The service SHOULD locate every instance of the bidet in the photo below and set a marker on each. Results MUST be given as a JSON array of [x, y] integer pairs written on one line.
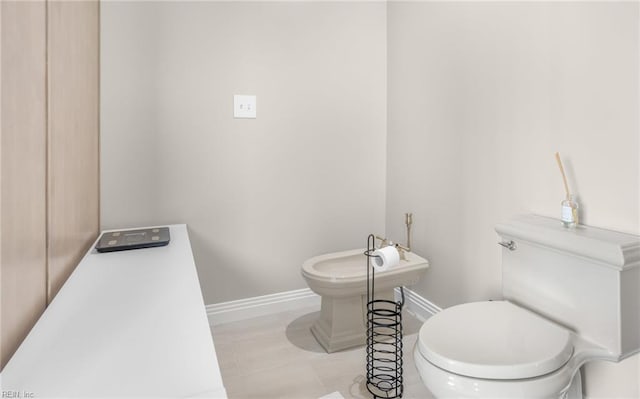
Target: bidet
[[340, 279]]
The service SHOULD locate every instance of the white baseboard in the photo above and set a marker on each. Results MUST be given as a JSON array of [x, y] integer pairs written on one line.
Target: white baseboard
[[242, 309], [417, 305]]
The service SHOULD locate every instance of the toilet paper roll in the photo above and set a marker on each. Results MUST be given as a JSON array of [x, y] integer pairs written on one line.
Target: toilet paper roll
[[385, 258]]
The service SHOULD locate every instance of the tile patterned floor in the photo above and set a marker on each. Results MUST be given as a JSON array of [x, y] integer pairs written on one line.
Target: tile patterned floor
[[276, 356]]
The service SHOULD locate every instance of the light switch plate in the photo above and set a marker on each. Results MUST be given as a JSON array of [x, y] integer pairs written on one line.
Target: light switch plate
[[244, 106]]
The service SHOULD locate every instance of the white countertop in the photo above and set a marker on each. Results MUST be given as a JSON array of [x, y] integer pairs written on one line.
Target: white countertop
[[127, 324]]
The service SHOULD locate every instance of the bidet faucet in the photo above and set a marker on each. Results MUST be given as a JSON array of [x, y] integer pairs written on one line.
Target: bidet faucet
[[402, 250]]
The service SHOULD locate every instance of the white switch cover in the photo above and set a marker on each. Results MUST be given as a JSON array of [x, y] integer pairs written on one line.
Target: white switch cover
[[244, 106]]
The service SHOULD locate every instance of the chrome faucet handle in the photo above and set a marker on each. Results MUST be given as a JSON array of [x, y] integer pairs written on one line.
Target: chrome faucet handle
[[402, 250], [510, 245], [384, 242], [408, 221]]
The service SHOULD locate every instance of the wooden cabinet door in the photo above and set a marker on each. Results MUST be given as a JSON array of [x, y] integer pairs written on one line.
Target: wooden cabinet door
[[23, 143], [49, 154], [73, 103]]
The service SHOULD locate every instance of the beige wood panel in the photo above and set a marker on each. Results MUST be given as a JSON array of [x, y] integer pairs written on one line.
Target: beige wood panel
[[73, 178], [23, 171]]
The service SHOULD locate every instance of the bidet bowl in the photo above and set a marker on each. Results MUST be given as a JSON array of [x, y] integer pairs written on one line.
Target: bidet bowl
[[341, 274]]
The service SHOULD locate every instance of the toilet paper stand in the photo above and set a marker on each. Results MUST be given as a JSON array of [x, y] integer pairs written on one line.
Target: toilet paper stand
[[384, 338]]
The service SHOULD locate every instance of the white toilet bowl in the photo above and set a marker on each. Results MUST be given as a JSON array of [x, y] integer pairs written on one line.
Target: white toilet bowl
[[500, 350]]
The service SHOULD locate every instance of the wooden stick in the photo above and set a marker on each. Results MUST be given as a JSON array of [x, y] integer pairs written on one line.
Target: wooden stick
[[564, 178]]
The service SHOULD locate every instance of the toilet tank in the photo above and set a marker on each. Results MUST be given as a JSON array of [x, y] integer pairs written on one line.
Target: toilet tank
[[586, 279]]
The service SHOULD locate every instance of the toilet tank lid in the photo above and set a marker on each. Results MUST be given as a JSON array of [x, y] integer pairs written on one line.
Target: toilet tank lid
[[606, 247], [494, 340]]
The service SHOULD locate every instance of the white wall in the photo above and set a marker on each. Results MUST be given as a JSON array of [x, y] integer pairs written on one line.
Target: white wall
[[480, 96], [128, 115], [260, 196]]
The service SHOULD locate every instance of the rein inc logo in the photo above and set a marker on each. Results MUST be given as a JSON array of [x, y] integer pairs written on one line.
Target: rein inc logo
[[17, 394]]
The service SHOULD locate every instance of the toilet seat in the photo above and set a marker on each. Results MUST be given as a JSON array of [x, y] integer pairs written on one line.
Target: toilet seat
[[494, 340]]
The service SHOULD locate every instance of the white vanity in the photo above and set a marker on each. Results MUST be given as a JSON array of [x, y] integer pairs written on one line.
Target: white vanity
[[125, 324]]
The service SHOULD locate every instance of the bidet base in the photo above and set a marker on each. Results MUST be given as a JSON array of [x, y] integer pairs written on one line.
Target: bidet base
[[342, 322]]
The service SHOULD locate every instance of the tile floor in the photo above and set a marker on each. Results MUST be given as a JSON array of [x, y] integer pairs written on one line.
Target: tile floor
[[276, 357]]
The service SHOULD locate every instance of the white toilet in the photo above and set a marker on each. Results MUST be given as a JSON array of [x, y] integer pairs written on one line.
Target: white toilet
[[570, 296]]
